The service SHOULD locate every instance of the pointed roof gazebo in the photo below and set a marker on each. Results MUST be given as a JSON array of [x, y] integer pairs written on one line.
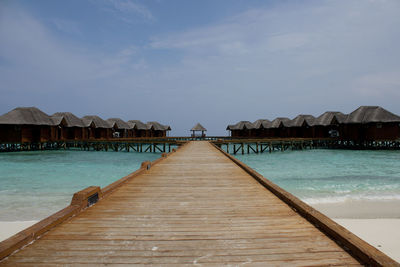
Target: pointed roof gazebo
[[198, 128]]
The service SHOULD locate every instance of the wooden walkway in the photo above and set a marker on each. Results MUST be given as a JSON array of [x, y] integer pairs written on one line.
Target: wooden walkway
[[194, 207]]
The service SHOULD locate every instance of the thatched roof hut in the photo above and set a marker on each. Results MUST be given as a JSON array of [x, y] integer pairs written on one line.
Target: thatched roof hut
[[370, 114], [71, 126], [118, 123], [27, 124], [26, 116], [302, 120], [241, 129], [198, 127], [70, 119], [157, 129], [241, 125], [371, 123], [262, 123], [96, 121], [330, 117], [101, 128]]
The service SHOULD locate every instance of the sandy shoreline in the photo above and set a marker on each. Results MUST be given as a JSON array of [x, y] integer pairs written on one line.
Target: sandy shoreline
[[383, 234], [8, 229], [375, 221]]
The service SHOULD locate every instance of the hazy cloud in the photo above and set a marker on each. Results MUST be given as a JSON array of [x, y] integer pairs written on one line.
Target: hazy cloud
[[261, 63]]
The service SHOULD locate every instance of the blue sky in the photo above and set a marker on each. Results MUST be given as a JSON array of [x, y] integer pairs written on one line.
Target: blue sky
[[213, 62]]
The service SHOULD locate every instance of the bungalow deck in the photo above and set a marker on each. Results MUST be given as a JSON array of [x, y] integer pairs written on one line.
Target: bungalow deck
[[230, 144], [197, 205]]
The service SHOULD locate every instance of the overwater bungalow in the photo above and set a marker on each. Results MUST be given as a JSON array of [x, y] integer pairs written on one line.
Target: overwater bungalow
[[97, 128], [27, 125], [121, 129], [156, 129], [279, 127], [328, 124], [371, 123], [301, 127], [262, 128], [70, 127], [198, 128], [241, 129], [138, 128]]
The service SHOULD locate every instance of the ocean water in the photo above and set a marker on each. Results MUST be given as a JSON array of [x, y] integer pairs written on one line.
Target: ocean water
[[331, 176], [33, 185]]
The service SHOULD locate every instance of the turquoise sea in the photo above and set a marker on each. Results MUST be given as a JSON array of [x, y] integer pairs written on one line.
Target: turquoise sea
[[33, 185], [331, 176]]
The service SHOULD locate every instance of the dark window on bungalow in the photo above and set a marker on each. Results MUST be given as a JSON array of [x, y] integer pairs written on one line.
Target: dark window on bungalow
[[379, 125]]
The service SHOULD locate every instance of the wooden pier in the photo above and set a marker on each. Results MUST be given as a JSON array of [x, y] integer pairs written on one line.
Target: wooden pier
[[261, 145], [197, 205], [162, 145]]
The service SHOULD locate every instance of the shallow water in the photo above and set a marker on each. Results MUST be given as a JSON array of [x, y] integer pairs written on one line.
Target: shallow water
[[34, 185], [331, 176]]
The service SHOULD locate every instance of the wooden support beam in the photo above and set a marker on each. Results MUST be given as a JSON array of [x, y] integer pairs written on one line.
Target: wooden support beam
[[251, 148], [148, 148]]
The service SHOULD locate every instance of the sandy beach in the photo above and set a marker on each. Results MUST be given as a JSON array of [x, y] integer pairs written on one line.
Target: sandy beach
[[383, 234], [8, 229], [376, 222]]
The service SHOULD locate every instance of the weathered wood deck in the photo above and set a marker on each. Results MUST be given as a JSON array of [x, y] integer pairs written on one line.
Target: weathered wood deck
[[194, 207]]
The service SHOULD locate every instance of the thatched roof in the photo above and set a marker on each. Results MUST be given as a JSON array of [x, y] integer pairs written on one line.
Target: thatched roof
[[241, 125], [118, 123], [198, 127], [329, 118], [70, 119], [58, 121], [367, 114], [302, 120], [26, 116], [138, 125], [96, 120], [281, 121], [156, 126], [262, 123]]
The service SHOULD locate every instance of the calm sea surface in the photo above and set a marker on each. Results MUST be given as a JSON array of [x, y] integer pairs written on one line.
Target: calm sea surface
[[34, 185], [330, 176]]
